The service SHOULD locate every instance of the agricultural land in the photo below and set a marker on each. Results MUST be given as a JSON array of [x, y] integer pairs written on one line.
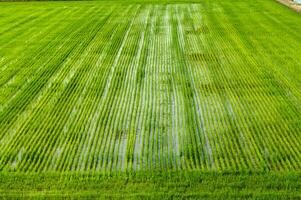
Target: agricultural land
[[136, 99]]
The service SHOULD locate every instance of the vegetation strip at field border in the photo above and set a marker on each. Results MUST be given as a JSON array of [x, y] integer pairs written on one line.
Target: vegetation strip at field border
[[122, 184]]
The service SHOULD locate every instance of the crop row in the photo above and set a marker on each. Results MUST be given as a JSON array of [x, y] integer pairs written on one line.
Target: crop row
[[116, 87]]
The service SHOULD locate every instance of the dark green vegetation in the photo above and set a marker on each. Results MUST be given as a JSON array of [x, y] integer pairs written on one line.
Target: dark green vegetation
[[167, 185], [208, 89]]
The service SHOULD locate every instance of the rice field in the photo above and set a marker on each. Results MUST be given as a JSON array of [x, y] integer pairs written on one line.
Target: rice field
[[133, 88]]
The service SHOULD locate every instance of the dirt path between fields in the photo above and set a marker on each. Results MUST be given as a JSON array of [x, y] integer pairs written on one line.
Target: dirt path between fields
[[293, 5]]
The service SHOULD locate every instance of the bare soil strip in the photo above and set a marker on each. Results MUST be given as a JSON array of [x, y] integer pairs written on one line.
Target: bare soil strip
[[291, 4]]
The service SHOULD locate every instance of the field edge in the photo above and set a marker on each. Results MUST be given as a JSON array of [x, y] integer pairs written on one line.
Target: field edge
[[173, 184]]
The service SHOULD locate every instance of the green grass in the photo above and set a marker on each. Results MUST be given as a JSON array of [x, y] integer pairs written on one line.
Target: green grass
[[162, 185], [119, 88]]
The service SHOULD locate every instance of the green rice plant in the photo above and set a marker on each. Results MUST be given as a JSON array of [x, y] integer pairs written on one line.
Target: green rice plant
[[144, 90]]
